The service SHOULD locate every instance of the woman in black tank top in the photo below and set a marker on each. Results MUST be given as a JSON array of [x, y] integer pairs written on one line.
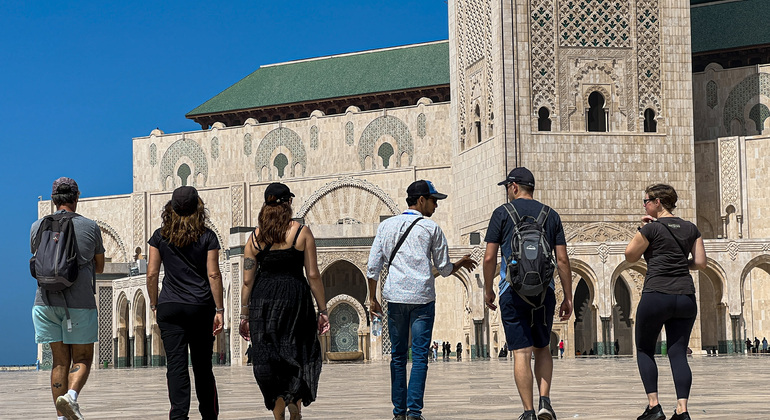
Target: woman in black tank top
[[668, 296]]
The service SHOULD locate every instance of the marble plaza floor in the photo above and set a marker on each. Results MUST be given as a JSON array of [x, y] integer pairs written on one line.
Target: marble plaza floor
[[591, 388]]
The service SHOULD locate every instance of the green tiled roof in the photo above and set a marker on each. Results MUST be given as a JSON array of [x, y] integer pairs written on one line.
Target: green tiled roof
[[385, 70], [726, 25]]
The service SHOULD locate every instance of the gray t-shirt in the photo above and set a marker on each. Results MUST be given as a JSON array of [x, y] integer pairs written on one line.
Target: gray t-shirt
[[81, 294]]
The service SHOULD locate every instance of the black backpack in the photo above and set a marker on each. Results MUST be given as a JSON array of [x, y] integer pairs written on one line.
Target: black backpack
[[530, 267], [55, 262]]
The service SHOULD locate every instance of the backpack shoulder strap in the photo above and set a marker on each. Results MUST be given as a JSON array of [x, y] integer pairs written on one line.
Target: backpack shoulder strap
[[544, 212], [511, 209]]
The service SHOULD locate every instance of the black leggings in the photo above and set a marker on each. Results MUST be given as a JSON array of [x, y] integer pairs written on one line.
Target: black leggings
[[677, 313]]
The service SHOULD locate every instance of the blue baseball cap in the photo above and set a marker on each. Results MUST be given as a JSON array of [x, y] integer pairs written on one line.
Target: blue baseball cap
[[422, 188]]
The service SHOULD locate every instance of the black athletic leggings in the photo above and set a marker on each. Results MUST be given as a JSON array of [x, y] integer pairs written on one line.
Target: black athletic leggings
[[677, 313]]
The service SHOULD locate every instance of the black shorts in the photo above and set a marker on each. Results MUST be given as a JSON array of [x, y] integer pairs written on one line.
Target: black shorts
[[524, 325]]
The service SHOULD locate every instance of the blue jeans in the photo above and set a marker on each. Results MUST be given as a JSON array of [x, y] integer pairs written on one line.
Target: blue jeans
[[401, 318]]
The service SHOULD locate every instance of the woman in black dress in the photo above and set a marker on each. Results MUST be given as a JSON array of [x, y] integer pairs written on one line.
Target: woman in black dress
[[189, 308], [277, 311], [668, 296]]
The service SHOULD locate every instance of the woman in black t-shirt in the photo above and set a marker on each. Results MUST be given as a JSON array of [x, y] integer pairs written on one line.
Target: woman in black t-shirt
[[189, 308], [668, 296]]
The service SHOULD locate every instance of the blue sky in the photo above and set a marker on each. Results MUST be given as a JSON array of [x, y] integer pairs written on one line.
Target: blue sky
[[80, 79]]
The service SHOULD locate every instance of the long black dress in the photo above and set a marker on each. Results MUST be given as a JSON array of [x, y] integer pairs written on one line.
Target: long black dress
[[282, 322]]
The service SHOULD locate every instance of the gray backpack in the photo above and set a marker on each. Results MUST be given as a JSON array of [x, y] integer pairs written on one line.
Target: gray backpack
[[530, 267]]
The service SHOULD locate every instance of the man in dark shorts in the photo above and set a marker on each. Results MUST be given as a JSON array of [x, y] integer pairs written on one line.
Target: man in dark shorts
[[527, 329]]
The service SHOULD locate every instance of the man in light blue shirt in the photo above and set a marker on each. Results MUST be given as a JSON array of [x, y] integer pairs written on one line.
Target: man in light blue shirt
[[410, 290]]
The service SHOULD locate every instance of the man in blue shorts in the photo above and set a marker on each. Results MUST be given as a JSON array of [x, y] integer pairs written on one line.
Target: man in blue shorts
[[527, 329], [72, 347]]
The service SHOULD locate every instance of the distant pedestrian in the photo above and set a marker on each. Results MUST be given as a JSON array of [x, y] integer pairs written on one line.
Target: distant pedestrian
[[748, 345], [764, 345], [756, 345], [617, 346], [189, 308], [67, 319], [459, 350], [668, 294], [410, 290], [561, 348]]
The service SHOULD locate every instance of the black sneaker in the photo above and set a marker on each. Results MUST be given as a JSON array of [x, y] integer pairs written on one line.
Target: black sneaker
[[652, 413], [683, 416], [546, 411], [528, 416], [399, 417]]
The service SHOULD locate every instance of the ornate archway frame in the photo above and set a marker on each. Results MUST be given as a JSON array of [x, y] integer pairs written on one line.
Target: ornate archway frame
[[348, 182]]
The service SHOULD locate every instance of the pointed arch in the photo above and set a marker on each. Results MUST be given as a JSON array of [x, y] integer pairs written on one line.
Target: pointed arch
[[183, 148], [281, 137], [392, 126]]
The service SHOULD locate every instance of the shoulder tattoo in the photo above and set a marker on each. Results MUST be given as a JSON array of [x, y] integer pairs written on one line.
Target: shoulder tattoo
[[249, 263]]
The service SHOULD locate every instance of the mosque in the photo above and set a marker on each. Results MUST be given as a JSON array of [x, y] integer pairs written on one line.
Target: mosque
[[599, 98]]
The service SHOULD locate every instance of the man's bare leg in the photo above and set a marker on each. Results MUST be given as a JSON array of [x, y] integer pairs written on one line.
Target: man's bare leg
[[60, 370], [522, 373], [543, 370], [82, 356]]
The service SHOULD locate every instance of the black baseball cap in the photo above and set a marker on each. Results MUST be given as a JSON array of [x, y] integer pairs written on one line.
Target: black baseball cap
[[521, 176], [422, 188], [278, 190], [184, 200]]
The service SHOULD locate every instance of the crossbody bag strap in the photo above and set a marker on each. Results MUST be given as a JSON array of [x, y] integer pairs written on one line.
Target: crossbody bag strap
[[684, 251], [401, 240]]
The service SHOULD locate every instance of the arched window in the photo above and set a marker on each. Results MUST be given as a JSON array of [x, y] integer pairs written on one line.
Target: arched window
[[543, 119], [477, 123], [280, 162], [183, 172], [385, 152], [650, 125], [596, 117]]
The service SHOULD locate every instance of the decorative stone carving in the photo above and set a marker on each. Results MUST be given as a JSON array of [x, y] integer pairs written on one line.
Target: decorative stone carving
[[113, 244], [236, 288], [385, 125], [137, 204], [712, 98], [179, 149], [599, 232], [236, 205], [314, 137], [732, 250], [648, 54], [285, 138], [153, 154], [421, 119], [357, 258], [603, 250], [349, 139], [728, 163], [105, 324], [735, 105], [542, 54], [594, 23], [247, 144], [215, 148], [348, 182]]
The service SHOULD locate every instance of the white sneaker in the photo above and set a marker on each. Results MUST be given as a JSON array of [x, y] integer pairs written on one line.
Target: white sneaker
[[69, 407]]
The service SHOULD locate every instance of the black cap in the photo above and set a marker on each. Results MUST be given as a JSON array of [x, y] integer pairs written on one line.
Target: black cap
[[422, 188], [184, 200], [521, 176], [278, 190]]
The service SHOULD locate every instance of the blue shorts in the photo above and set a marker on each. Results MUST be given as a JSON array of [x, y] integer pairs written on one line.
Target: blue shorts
[[51, 325], [524, 325]]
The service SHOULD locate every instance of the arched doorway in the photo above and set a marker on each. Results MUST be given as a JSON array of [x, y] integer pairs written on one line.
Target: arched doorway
[[621, 319], [585, 319], [596, 116], [713, 313], [756, 298], [344, 278], [123, 349], [140, 336]]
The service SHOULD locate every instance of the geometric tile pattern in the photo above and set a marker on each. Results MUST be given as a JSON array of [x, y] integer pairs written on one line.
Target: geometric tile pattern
[[421, 119], [47, 362], [344, 328], [648, 54], [314, 137], [712, 99], [594, 23], [542, 55], [349, 138], [236, 290], [247, 144], [282, 137], [735, 105], [728, 156], [105, 324], [180, 148], [386, 125], [153, 154], [215, 148]]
